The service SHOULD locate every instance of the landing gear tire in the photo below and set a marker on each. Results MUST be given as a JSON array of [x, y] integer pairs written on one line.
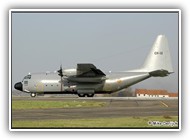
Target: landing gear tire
[[81, 95], [90, 95], [33, 94]]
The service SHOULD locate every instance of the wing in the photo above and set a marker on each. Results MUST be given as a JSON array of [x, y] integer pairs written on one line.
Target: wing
[[88, 70], [87, 73]]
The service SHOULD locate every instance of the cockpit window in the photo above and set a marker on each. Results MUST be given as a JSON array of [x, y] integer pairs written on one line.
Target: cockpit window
[[27, 77]]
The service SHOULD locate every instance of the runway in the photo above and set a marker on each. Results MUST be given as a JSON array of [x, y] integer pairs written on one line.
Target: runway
[[116, 107]]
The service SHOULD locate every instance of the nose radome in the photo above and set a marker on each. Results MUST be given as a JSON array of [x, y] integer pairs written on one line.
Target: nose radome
[[18, 86]]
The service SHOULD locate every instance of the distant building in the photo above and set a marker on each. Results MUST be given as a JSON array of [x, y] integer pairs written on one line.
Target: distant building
[[154, 93]]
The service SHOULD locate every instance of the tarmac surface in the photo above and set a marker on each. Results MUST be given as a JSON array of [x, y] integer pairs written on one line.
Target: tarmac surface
[[117, 107]]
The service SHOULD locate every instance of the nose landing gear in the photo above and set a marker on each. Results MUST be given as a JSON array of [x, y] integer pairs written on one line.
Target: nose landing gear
[[33, 94]]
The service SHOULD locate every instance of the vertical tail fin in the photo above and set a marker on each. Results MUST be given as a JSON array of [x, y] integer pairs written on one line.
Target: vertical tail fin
[[159, 57]]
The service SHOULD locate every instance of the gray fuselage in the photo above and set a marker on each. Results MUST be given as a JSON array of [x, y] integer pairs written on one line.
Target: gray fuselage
[[51, 82]]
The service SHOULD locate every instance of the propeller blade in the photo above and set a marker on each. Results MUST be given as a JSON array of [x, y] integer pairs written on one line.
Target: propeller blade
[[60, 71]]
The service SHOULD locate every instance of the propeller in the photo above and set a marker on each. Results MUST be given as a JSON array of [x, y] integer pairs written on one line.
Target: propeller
[[60, 73]]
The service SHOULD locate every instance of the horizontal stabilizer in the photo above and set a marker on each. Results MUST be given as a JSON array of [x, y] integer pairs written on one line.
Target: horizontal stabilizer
[[159, 73]]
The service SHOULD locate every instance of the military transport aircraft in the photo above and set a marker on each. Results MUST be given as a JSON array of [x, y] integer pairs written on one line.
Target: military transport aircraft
[[87, 80]]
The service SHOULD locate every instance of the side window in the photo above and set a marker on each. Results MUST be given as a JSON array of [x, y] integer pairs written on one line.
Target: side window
[[26, 83]]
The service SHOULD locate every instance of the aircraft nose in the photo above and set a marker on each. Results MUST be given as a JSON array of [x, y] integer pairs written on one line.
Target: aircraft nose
[[18, 86]]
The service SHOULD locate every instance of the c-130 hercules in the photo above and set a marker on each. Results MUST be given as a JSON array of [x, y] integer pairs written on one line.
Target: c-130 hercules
[[87, 80]]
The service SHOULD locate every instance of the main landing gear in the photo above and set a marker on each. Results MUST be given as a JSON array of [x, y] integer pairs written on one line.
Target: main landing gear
[[88, 95]]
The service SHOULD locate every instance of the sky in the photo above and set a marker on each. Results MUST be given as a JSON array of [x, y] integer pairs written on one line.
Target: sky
[[111, 41]]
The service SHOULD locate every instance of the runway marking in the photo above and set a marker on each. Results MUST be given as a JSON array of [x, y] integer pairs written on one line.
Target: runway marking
[[164, 103], [137, 103]]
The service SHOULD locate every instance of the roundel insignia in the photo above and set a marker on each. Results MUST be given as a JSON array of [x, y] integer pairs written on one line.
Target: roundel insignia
[[119, 81], [39, 87]]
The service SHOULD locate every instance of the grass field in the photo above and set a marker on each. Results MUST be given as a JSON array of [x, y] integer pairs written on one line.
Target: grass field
[[54, 104], [124, 122]]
